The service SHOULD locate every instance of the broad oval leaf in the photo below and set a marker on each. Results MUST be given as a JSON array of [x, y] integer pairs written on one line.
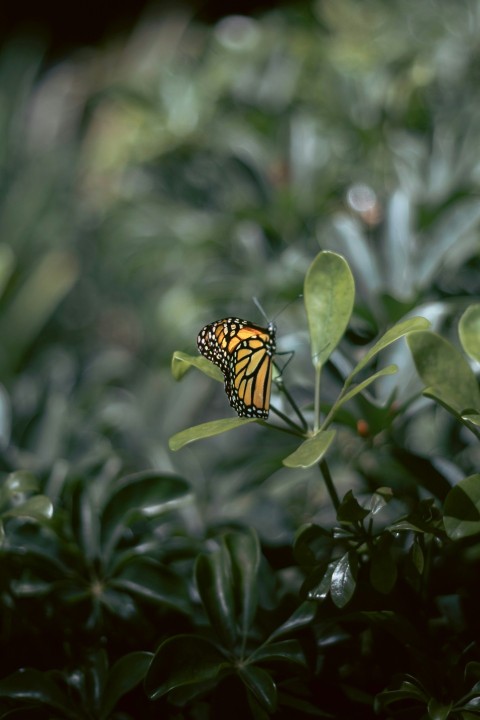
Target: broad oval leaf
[[469, 331], [329, 294], [124, 675], [204, 430], [213, 574], [445, 371], [183, 660], [310, 451], [462, 508], [38, 507], [181, 363], [261, 685], [244, 549], [344, 580]]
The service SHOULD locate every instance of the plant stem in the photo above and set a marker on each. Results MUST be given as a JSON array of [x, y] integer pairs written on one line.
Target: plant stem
[[329, 484], [318, 373]]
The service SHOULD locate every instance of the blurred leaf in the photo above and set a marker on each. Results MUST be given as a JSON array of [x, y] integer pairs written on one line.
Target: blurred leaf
[[285, 651], [209, 429], [444, 371], [183, 660], [469, 331], [148, 579], [438, 710], [142, 495], [34, 686], [181, 363], [7, 264], [52, 278], [462, 509], [39, 507], [329, 294], [244, 549], [213, 574], [261, 686], [123, 676], [310, 451]]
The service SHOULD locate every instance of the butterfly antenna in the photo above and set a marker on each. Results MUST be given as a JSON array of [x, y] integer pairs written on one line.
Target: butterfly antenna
[[262, 311]]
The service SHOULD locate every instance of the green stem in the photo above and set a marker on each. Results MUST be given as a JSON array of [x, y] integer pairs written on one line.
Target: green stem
[[293, 405], [298, 430], [318, 373], [329, 484]]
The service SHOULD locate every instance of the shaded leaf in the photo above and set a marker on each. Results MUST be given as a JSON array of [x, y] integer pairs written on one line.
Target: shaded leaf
[[152, 581], [261, 685], [183, 660], [36, 687], [124, 675], [244, 549], [286, 651], [350, 509], [462, 509], [302, 616], [383, 570], [213, 574]]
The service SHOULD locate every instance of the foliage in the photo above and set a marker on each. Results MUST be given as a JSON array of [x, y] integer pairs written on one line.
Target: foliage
[[157, 558]]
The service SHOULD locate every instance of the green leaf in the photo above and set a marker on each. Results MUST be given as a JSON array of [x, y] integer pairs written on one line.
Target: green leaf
[[181, 363], [388, 370], [39, 507], [462, 508], [37, 687], [181, 661], [405, 327], [284, 651], [124, 675], [310, 451], [209, 429], [381, 497], [150, 580], [383, 570], [469, 331], [52, 278], [261, 685], [471, 416], [142, 495], [321, 589], [343, 582], [350, 509], [213, 574], [438, 710], [329, 294], [302, 616], [244, 549], [445, 371]]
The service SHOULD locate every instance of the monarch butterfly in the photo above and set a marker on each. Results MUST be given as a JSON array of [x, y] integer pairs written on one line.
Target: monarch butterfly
[[244, 353]]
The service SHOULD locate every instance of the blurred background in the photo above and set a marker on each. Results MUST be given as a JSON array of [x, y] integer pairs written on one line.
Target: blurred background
[[162, 165]]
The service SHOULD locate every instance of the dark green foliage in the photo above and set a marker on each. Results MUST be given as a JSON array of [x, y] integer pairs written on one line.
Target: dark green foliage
[[321, 563]]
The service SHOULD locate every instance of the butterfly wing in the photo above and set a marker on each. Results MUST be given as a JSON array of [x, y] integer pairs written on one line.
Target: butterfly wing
[[244, 352]]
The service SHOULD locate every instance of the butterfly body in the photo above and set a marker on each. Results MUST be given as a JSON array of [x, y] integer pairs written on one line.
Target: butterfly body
[[244, 353]]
